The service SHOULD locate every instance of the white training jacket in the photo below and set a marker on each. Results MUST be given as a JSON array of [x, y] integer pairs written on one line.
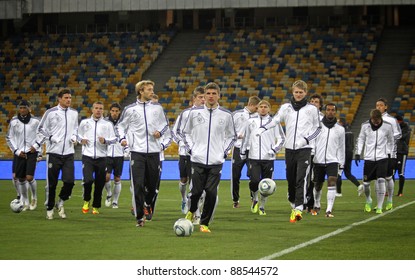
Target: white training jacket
[[115, 150], [330, 145], [266, 145], [21, 137], [209, 134], [137, 124], [397, 133], [301, 127], [240, 119], [375, 144], [91, 129], [177, 131], [58, 128]]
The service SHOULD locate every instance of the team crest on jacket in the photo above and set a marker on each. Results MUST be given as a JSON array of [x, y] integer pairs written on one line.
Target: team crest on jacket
[[135, 115], [56, 119], [50, 165], [88, 127], [200, 119], [221, 121], [132, 162]]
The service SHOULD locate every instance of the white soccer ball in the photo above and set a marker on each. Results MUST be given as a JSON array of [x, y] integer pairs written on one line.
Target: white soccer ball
[[183, 227], [16, 205], [267, 187]]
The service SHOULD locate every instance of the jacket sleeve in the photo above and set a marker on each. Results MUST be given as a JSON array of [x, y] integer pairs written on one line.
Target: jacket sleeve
[[112, 136], [186, 133], [10, 138], [342, 144], [315, 131], [175, 133], [360, 142], [230, 135], [280, 137], [122, 125], [41, 134], [74, 136], [246, 139]]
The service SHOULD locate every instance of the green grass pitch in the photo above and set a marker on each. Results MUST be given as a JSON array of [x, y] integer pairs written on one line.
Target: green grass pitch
[[236, 233]]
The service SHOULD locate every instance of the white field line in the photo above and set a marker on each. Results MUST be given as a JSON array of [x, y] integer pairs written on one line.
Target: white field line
[[336, 232]]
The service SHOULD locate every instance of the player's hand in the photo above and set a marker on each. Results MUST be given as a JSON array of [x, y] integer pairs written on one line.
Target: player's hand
[[54, 139], [357, 160], [21, 154], [301, 143], [84, 141], [271, 153], [101, 140], [156, 134], [124, 143]]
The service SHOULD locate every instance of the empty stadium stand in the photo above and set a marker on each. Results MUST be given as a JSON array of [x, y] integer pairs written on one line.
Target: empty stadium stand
[[101, 67]]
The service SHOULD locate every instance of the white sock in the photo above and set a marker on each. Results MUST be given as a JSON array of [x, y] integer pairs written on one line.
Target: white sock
[[117, 191], [15, 183], [262, 201], [201, 202], [255, 196], [108, 188], [380, 192], [390, 185], [33, 188], [317, 198], [367, 192], [331, 197], [182, 189], [60, 203], [24, 191]]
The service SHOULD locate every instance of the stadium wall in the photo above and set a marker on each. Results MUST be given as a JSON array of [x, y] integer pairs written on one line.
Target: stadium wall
[[171, 170]]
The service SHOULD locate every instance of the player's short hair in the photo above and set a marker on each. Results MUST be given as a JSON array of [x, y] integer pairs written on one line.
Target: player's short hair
[[115, 105], [254, 100], [63, 91], [330, 104], [25, 103], [383, 100], [140, 85], [264, 102], [97, 103], [375, 114], [212, 85], [319, 97], [197, 91], [299, 84]]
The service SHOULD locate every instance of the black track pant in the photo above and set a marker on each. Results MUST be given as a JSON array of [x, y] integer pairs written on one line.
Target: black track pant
[[205, 178], [56, 164], [145, 170], [237, 165], [297, 170], [91, 167], [260, 169]]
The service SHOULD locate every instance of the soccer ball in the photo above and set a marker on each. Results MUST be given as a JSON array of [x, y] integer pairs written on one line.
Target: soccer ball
[[16, 205], [267, 187], [183, 227]]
